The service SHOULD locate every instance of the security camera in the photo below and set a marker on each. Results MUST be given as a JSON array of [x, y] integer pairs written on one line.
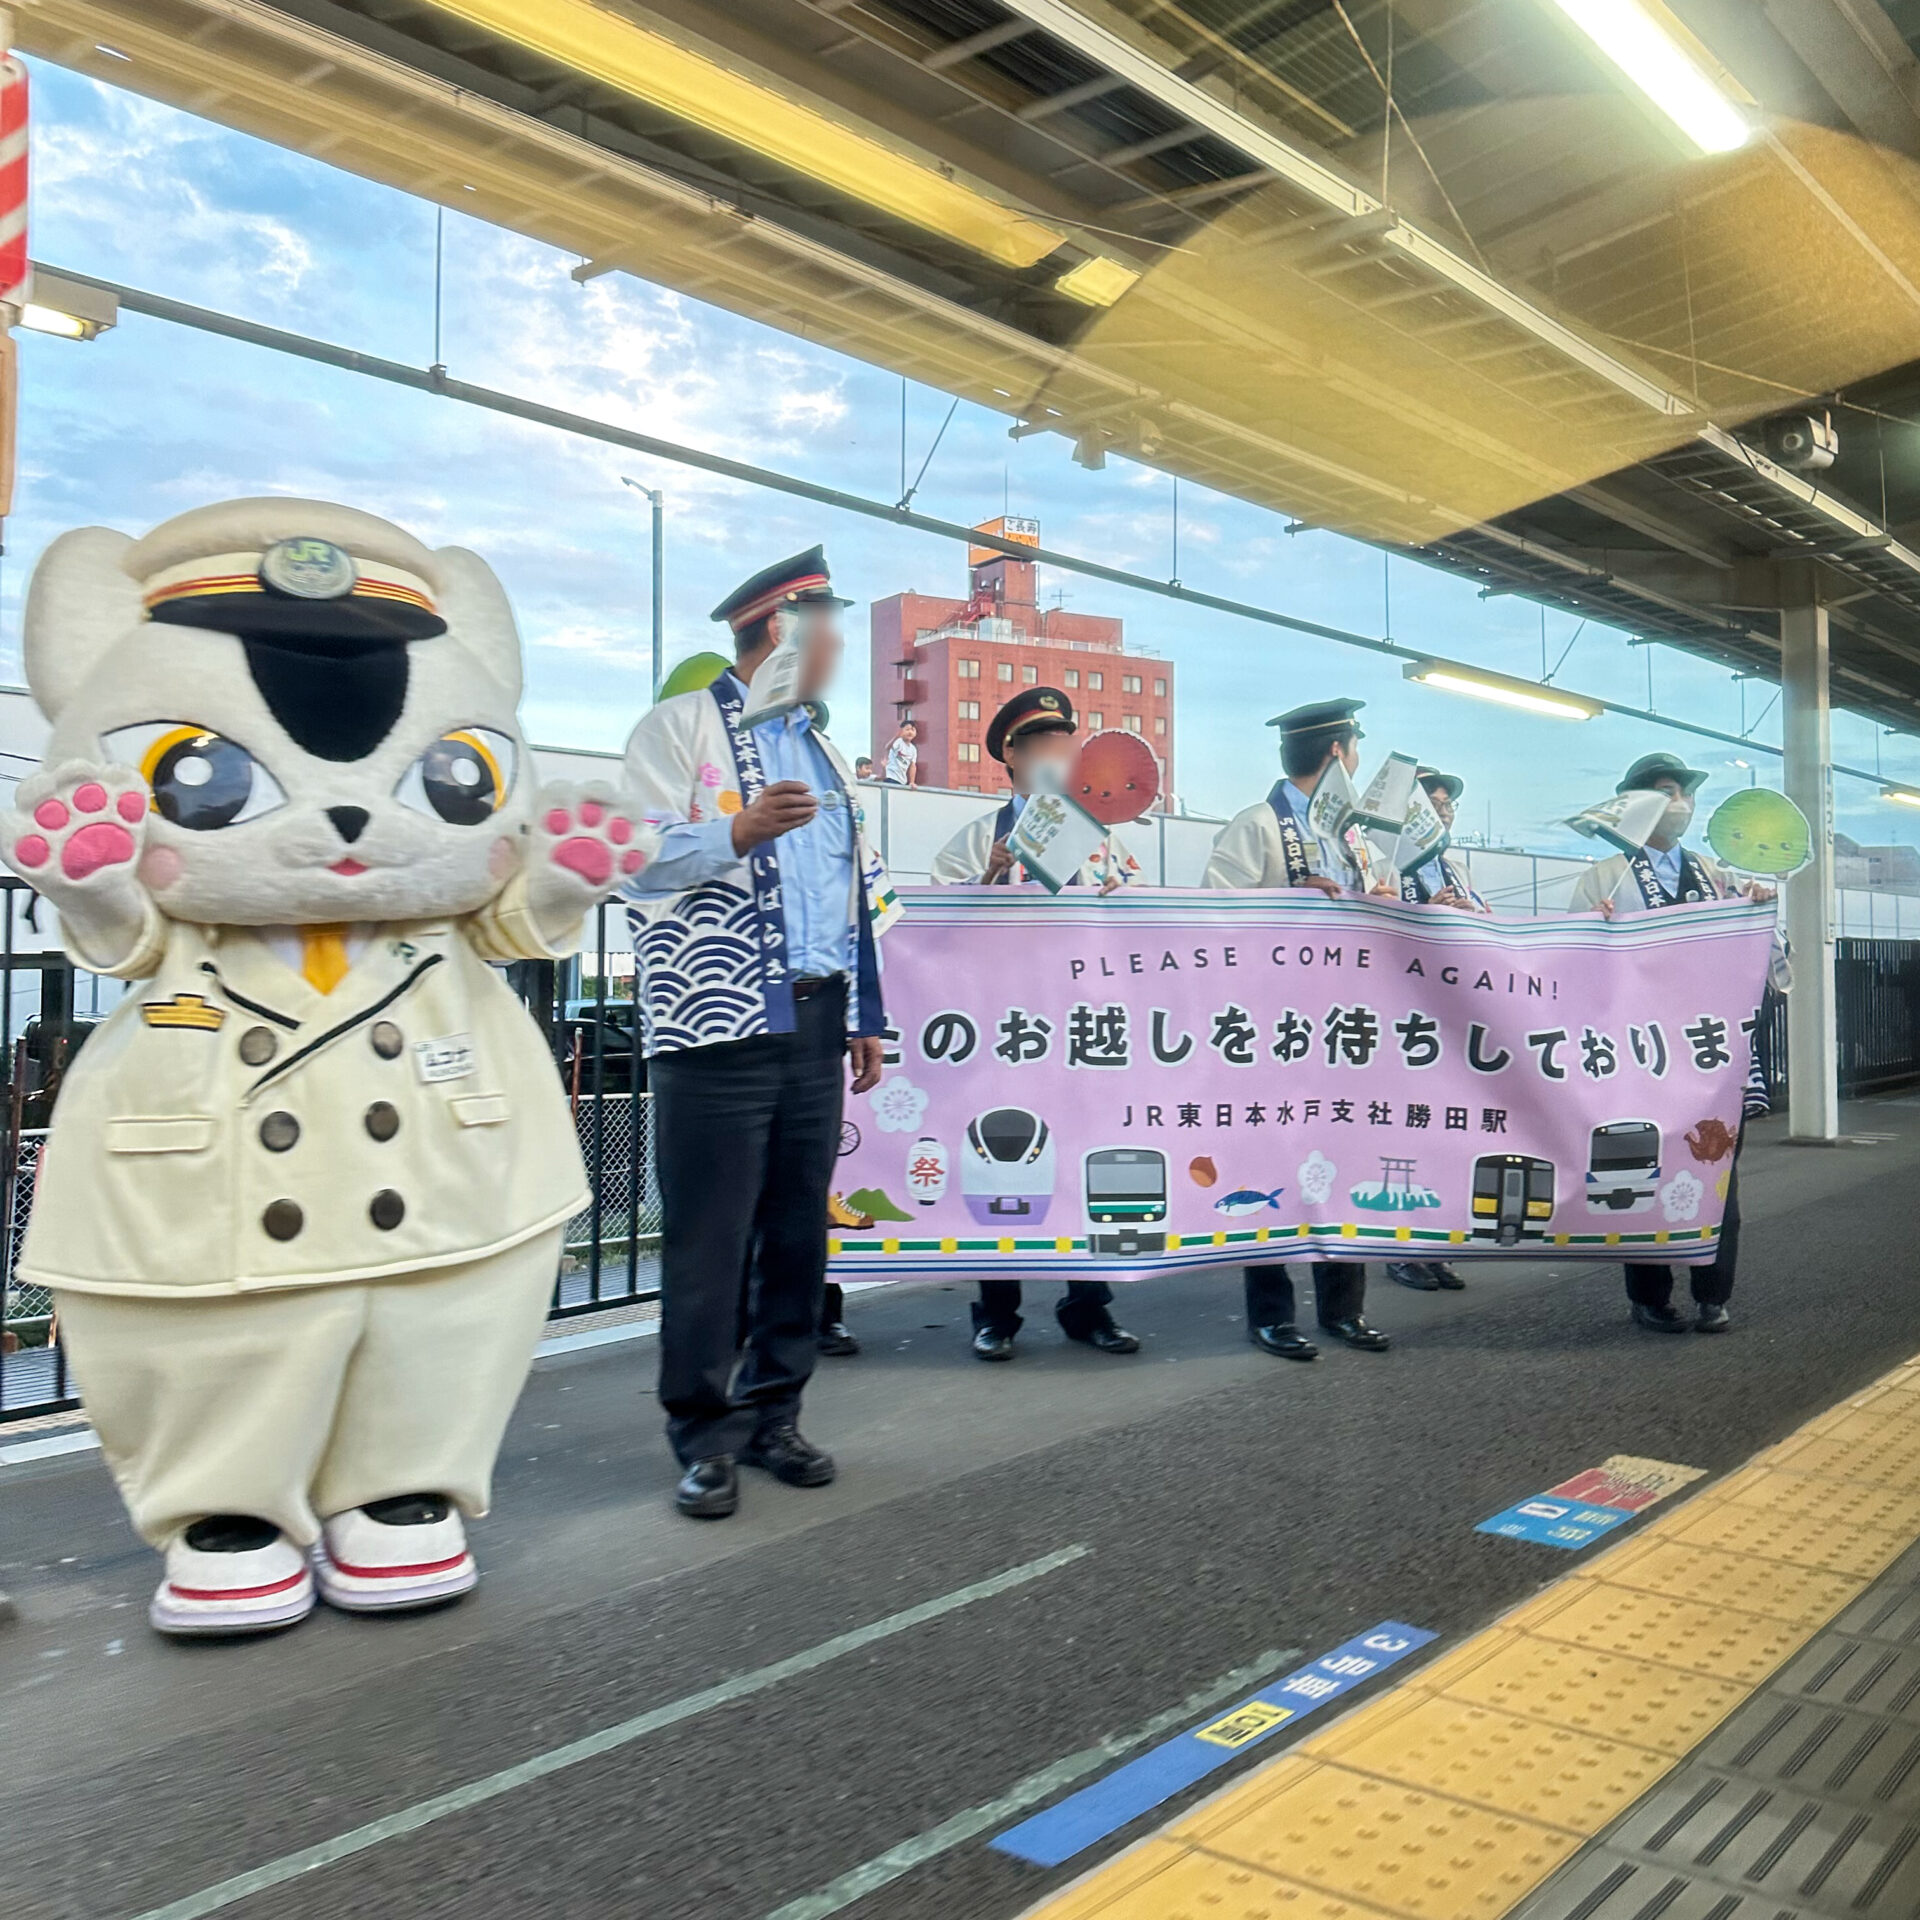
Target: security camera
[[1802, 442]]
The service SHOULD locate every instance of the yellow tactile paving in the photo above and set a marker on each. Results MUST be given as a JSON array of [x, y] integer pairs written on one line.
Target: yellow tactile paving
[[1587, 1691], [1385, 1845], [1557, 1776], [1454, 1795], [1686, 1635]]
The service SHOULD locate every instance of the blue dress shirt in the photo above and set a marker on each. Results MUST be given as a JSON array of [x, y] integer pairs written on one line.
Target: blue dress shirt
[[1666, 866], [816, 861]]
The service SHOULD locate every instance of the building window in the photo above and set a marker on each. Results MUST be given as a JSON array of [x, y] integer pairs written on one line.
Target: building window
[[1095, 681], [1160, 723], [1005, 670], [1030, 675], [967, 751], [1129, 683], [969, 709], [966, 669], [1131, 723], [1072, 676], [1096, 721], [1159, 689]]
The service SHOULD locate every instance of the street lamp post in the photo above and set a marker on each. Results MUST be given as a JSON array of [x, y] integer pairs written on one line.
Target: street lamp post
[[657, 500]]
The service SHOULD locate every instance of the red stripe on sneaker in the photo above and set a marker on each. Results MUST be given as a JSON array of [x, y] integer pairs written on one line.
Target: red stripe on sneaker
[[236, 1593], [416, 1572]]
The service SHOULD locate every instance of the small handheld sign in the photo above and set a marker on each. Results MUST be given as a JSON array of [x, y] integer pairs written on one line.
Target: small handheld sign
[[1622, 820], [1054, 838]]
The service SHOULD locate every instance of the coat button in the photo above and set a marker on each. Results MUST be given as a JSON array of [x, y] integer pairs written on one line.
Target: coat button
[[387, 1039], [283, 1219], [383, 1119], [387, 1209], [258, 1046], [278, 1131]]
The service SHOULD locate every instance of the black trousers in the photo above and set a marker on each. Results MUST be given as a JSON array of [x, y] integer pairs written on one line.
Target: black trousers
[[833, 1305], [1082, 1307], [1712, 1284], [1339, 1291], [747, 1134]]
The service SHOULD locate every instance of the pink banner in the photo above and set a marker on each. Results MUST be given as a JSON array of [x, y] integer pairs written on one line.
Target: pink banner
[[1164, 1078]]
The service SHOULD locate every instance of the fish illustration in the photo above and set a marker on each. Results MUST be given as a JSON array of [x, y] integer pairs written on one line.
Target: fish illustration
[[1247, 1200]]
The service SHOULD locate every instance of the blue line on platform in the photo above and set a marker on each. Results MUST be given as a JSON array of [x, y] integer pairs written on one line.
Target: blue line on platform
[[1094, 1812]]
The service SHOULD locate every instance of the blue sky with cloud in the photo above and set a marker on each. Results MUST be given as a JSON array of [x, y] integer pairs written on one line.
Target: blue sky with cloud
[[154, 418]]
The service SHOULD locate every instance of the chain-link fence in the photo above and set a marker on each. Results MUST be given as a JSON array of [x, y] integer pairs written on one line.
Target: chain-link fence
[[611, 1251]]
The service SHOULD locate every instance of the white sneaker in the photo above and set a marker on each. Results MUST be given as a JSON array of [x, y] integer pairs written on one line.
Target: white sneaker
[[232, 1592], [366, 1566]]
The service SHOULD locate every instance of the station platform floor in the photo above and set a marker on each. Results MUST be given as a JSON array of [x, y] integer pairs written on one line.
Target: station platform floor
[[1030, 1579]]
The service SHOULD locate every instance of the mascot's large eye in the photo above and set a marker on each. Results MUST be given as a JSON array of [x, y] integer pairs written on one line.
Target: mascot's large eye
[[464, 777], [199, 779]]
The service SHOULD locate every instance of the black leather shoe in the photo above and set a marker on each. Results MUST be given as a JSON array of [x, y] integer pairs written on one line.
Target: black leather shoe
[[1356, 1333], [1446, 1276], [1659, 1319], [709, 1489], [780, 1450], [1712, 1320], [989, 1345], [1416, 1274], [836, 1342], [1109, 1339], [1285, 1342]]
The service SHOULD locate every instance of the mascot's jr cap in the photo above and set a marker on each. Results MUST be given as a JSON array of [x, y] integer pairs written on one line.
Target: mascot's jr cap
[[1031, 710], [300, 569], [799, 582]]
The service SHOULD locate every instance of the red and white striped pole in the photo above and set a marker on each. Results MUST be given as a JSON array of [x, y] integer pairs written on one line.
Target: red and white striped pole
[[16, 274]]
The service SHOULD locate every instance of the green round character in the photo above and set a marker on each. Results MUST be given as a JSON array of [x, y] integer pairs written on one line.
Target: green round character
[[696, 672], [1760, 831]]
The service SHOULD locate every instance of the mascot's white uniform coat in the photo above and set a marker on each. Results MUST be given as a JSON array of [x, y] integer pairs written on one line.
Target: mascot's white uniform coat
[[302, 1205]]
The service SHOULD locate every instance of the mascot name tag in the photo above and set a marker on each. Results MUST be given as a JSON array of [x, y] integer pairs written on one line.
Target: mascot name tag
[[450, 1058]]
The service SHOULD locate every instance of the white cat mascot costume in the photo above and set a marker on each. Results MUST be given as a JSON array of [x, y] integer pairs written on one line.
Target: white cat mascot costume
[[303, 1202]]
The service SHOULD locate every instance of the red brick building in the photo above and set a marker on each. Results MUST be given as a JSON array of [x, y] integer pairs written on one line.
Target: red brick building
[[949, 665]]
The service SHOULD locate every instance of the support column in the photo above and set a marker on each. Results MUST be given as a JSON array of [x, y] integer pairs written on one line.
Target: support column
[[1813, 1059]]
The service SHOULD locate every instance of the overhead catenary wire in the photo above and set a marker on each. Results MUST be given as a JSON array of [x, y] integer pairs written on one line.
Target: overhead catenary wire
[[434, 380]]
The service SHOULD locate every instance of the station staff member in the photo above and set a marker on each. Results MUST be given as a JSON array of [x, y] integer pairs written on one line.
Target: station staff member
[[1666, 873], [758, 979], [1274, 844], [1033, 731], [1443, 881]]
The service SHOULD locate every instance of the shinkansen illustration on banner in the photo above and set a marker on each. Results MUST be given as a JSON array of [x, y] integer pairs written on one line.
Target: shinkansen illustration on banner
[[1512, 1198], [1623, 1167], [1006, 1167], [1126, 1191]]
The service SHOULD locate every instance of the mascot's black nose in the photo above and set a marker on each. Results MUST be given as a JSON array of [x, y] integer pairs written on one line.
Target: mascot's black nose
[[349, 822]]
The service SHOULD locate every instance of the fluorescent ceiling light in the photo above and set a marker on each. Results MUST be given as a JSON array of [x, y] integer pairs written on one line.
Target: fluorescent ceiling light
[[1528, 695], [1901, 796], [755, 114], [1097, 282], [1316, 177], [1662, 67], [70, 309]]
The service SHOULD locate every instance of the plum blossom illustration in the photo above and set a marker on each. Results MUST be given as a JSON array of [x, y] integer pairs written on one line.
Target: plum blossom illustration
[[897, 1104], [1315, 1175], [710, 775], [1680, 1197]]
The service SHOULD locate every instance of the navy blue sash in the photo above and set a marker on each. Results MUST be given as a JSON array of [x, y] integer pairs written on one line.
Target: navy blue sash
[[1293, 843], [1694, 884], [763, 865]]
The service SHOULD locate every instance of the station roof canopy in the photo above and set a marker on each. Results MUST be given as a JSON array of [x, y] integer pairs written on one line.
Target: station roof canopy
[[1434, 273]]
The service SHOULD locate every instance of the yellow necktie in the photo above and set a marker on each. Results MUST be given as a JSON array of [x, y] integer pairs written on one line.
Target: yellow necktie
[[323, 957]]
